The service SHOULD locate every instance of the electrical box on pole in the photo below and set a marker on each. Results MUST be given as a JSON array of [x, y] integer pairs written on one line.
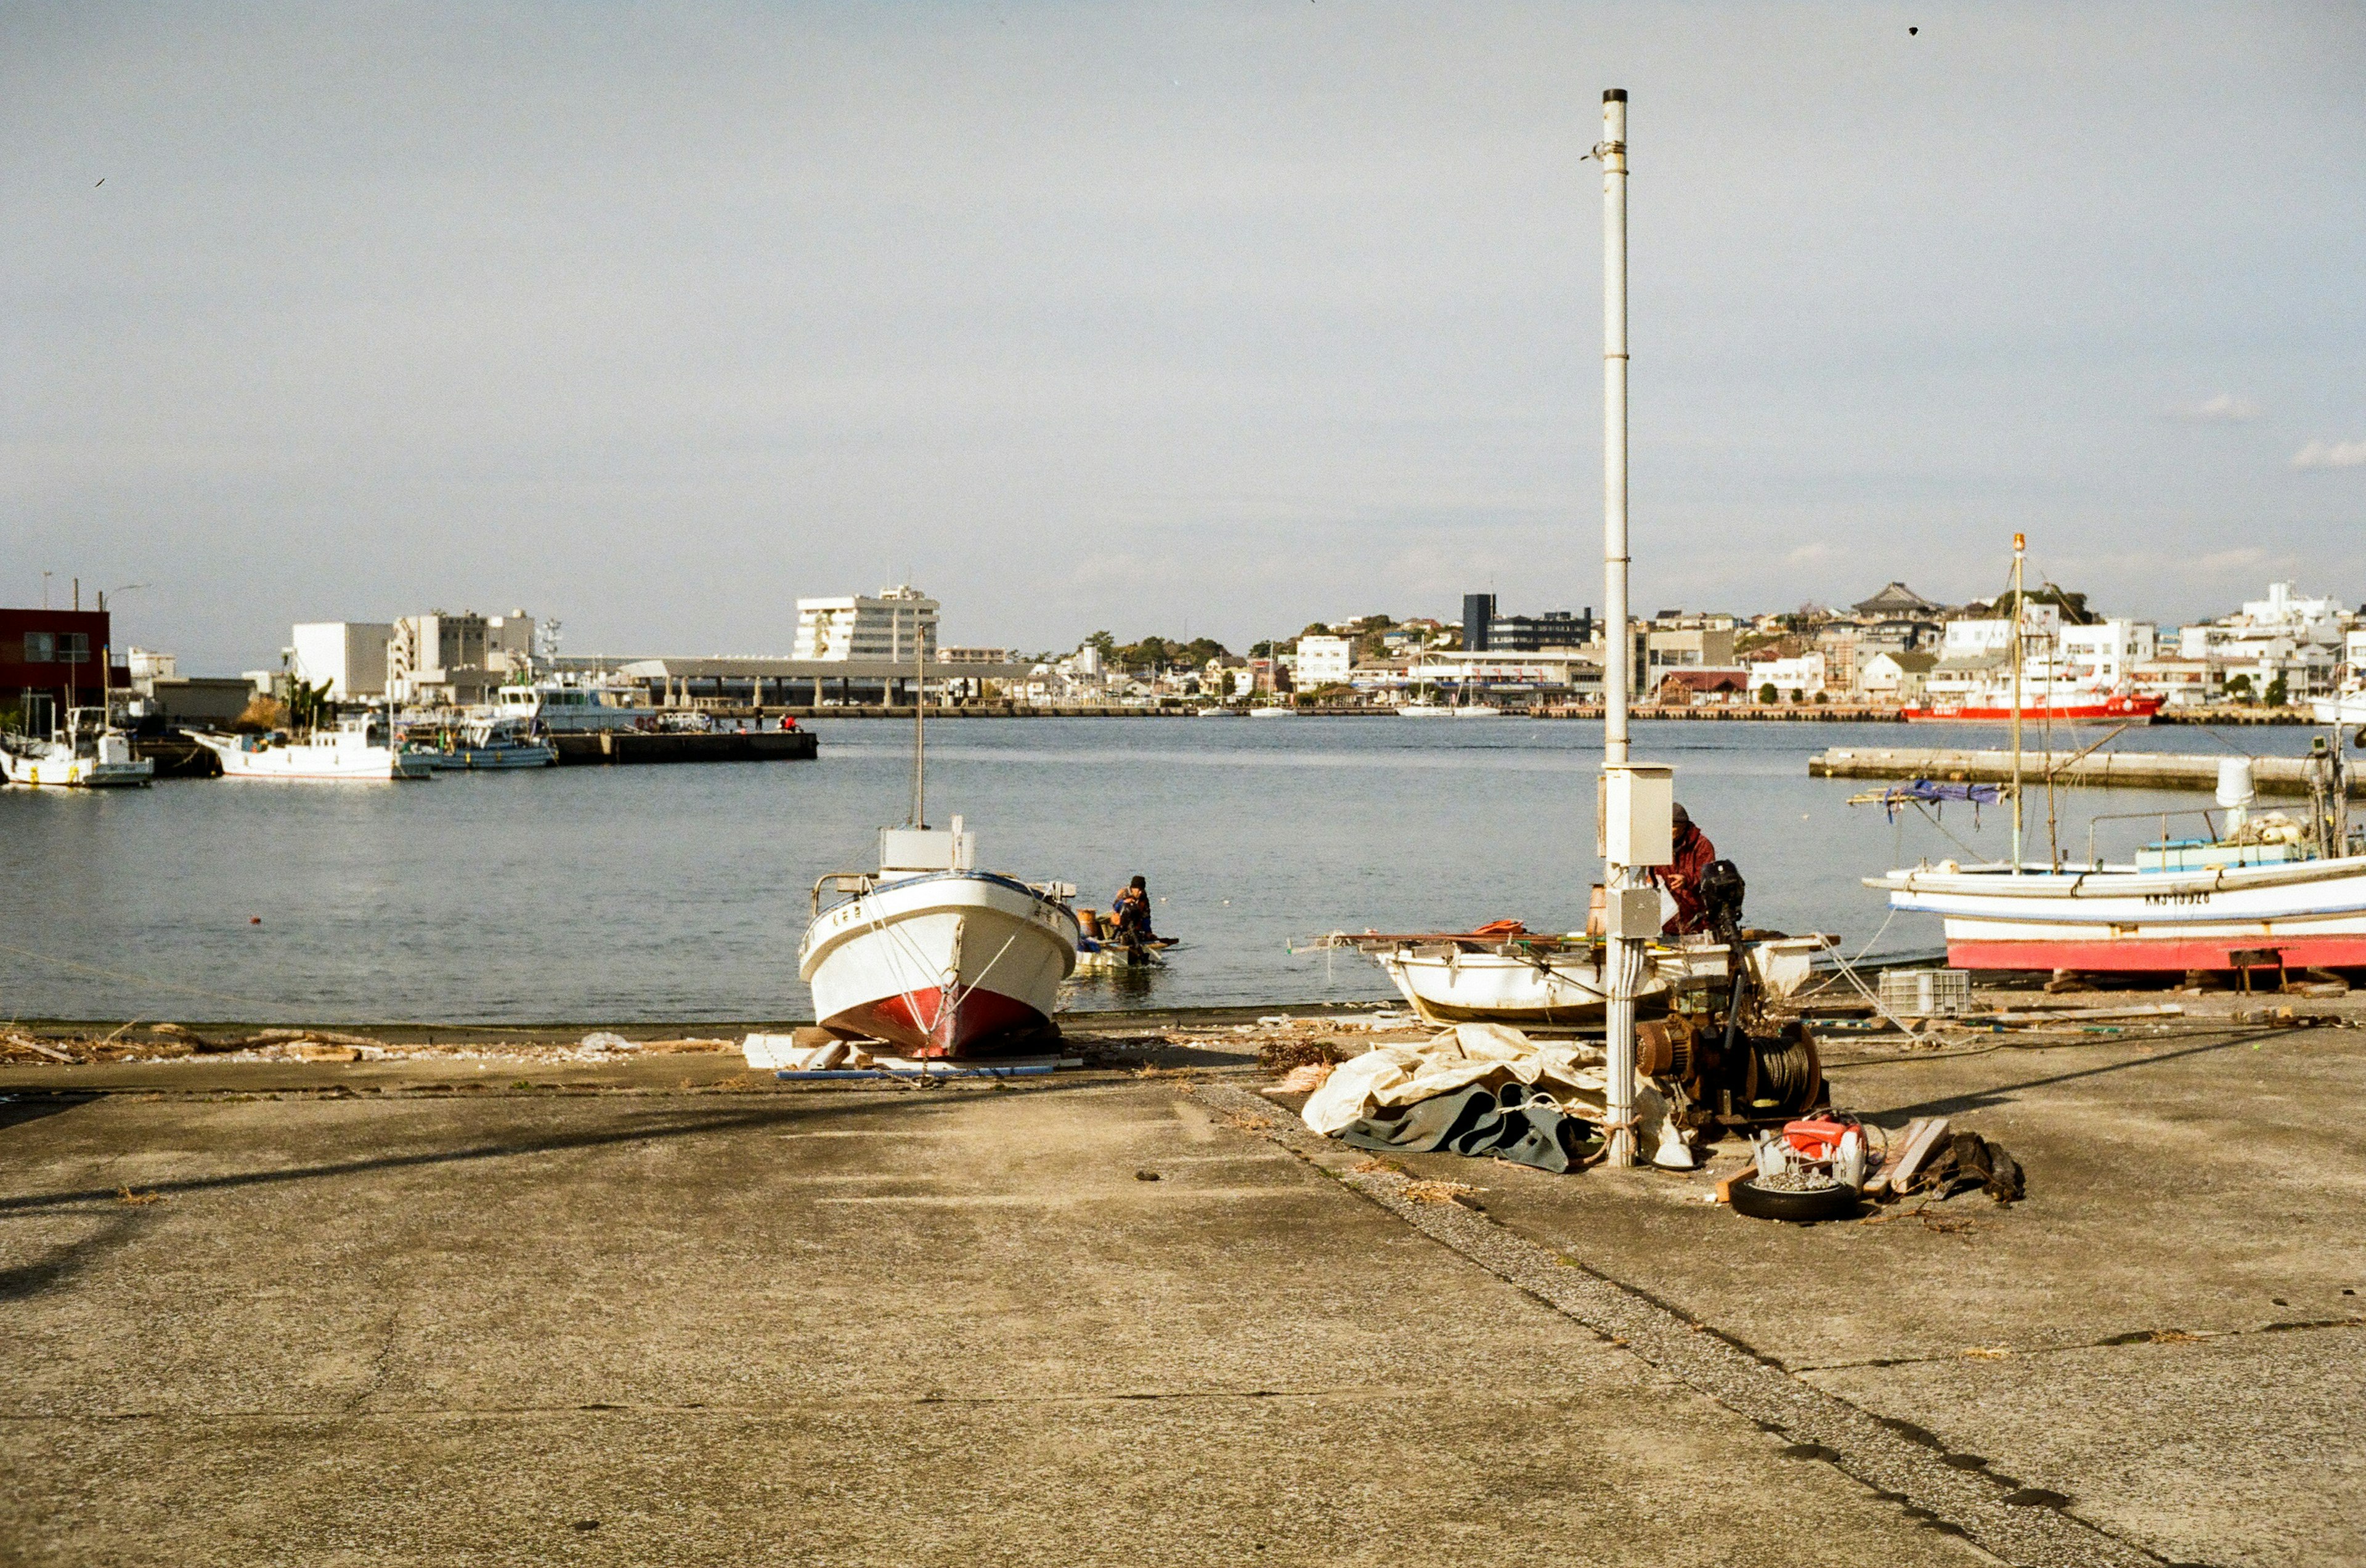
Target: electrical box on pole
[[1639, 814]]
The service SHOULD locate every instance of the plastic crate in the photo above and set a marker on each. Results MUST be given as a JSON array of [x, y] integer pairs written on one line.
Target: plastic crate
[[1926, 993]]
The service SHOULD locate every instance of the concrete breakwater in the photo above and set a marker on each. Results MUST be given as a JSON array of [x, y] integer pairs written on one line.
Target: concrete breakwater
[[2122, 769], [621, 746]]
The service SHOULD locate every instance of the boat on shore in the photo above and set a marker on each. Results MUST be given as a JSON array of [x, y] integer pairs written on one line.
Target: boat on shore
[[1505, 973], [87, 753], [928, 951], [360, 749], [2275, 889], [930, 954]]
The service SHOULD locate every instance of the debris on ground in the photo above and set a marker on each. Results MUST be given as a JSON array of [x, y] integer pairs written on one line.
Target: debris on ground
[[1276, 1055], [1303, 1079]]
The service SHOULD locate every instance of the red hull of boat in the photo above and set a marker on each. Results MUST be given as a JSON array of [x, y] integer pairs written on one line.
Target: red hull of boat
[[2101, 710], [975, 1025], [2173, 956]]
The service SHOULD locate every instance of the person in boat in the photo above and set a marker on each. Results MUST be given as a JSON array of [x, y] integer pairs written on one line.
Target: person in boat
[[1682, 876], [1130, 915]]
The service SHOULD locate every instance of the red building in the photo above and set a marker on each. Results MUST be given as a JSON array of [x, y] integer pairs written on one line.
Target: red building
[[54, 659]]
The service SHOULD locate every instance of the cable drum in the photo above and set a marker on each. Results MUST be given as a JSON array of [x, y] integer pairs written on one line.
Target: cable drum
[[1787, 1071]]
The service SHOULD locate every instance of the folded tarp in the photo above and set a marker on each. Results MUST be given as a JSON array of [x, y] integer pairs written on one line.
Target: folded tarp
[[1513, 1122], [1473, 1056]]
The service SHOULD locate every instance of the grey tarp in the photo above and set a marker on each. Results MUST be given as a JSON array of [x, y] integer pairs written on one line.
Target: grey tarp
[[1513, 1122]]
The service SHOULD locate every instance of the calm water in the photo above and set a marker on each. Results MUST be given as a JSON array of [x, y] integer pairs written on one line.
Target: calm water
[[679, 893]]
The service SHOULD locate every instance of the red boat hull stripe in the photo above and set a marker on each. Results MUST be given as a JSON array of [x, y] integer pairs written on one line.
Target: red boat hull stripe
[[2172, 954], [925, 1027]]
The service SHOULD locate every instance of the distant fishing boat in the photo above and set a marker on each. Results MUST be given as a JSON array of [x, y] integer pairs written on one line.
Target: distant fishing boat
[[2061, 705], [357, 749], [87, 753], [1275, 711], [485, 745]]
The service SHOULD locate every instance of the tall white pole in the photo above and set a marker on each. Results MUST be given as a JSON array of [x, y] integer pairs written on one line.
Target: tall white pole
[[1618, 643], [1624, 951]]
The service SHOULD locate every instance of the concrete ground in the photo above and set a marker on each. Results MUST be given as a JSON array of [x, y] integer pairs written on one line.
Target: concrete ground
[[662, 1310]]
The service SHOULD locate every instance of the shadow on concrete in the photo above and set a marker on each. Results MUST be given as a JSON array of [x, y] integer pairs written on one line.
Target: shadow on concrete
[[1978, 1099], [29, 1280], [782, 1110], [17, 1108]]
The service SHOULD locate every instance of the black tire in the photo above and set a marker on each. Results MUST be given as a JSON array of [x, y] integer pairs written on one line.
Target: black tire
[[1799, 1207]]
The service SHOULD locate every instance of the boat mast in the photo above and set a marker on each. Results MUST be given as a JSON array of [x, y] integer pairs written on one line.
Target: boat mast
[[2020, 544], [1622, 952], [919, 726]]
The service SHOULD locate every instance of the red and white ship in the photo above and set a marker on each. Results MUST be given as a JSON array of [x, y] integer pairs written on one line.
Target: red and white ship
[[2039, 706], [934, 955]]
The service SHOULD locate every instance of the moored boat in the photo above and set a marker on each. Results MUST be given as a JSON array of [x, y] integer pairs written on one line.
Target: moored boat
[[358, 749], [87, 753], [490, 745], [2036, 707]]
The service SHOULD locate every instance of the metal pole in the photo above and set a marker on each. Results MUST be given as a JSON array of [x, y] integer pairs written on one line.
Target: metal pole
[[1624, 953], [1617, 644], [919, 734], [2020, 544]]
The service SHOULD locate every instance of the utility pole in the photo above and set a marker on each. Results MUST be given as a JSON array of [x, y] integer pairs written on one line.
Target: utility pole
[[1635, 801]]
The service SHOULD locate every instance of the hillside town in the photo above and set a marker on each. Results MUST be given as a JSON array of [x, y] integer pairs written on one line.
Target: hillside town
[[1894, 652]]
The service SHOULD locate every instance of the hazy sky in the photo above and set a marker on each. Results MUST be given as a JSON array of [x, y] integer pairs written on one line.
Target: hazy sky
[[1141, 316]]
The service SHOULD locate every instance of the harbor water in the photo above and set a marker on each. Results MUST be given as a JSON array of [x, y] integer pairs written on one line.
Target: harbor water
[[678, 894]]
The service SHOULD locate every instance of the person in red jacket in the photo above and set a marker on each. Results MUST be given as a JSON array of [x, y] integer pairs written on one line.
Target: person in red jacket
[[1682, 876]]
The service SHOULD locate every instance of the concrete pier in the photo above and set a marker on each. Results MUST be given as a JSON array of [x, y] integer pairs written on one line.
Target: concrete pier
[[664, 1310], [2121, 770]]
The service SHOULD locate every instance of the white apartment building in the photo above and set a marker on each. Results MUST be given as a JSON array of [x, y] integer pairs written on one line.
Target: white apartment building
[[2107, 652], [350, 656], [897, 626], [1793, 680], [1325, 661]]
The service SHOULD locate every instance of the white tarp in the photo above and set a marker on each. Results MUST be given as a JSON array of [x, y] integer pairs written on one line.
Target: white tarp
[[777, 1052], [1489, 1054]]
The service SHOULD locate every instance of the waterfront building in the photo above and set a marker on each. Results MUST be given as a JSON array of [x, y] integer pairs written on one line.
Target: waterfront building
[[1799, 679], [1899, 677], [1485, 630], [456, 660], [54, 659], [1704, 647], [898, 624], [1325, 661], [349, 656]]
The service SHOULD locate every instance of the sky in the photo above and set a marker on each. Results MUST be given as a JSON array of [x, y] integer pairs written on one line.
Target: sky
[[1194, 318]]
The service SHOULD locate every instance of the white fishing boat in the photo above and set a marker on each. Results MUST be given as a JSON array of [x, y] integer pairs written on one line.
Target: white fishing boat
[[2346, 705], [569, 705], [1422, 710], [358, 749], [86, 754], [1476, 710], [1275, 711], [930, 953], [2275, 889], [487, 745]]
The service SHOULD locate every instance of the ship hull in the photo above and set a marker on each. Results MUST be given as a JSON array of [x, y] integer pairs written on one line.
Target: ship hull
[[2309, 914], [2103, 710], [954, 963]]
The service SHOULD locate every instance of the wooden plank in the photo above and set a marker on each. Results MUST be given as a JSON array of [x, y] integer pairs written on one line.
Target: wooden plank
[[1908, 1153]]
